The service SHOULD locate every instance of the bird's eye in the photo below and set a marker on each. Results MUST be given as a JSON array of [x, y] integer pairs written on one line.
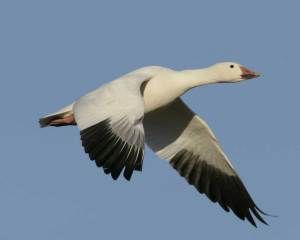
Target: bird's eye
[[231, 66]]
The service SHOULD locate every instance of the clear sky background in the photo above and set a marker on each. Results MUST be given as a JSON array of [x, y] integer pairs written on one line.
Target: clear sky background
[[52, 52]]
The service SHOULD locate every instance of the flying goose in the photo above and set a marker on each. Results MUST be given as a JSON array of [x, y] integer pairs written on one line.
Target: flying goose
[[117, 119]]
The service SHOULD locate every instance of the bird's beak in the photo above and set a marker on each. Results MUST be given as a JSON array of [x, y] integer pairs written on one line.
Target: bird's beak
[[248, 74]]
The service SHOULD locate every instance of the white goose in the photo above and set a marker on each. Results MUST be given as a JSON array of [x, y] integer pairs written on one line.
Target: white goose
[[117, 119]]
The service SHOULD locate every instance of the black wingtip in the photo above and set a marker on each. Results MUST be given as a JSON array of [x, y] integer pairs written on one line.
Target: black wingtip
[[256, 211], [266, 214], [110, 151], [127, 177], [227, 190]]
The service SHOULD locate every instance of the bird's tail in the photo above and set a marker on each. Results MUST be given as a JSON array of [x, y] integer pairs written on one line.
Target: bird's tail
[[63, 117]]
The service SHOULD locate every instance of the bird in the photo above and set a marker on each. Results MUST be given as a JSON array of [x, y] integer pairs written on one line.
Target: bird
[[145, 107]]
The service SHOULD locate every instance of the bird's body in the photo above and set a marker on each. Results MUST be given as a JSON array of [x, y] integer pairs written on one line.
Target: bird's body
[[116, 120], [162, 89]]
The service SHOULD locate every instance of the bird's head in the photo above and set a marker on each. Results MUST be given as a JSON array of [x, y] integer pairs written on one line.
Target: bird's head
[[232, 72]]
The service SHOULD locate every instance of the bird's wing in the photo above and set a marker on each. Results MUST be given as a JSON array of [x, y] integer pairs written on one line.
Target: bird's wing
[[177, 134], [110, 123]]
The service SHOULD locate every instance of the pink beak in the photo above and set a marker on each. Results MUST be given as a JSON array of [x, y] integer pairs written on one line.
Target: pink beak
[[248, 74]]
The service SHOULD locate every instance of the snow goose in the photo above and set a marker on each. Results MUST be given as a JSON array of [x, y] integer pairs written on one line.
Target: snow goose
[[117, 119]]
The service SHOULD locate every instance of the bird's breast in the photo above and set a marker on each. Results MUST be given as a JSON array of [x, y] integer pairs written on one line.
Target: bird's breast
[[160, 91]]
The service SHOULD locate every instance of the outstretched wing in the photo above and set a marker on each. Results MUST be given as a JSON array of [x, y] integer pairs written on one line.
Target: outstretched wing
[[177, 134], [110, 123]]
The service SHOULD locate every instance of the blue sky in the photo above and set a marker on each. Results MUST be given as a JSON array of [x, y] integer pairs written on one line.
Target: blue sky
[[52, 52]]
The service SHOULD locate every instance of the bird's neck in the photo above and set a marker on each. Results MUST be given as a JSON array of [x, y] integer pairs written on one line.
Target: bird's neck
[[198, 77]]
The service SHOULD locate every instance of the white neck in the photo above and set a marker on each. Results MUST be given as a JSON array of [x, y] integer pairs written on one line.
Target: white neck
[[198, 77], [174, 84]]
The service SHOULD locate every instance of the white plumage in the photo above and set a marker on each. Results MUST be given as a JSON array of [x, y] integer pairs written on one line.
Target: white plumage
[[142, 106]]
